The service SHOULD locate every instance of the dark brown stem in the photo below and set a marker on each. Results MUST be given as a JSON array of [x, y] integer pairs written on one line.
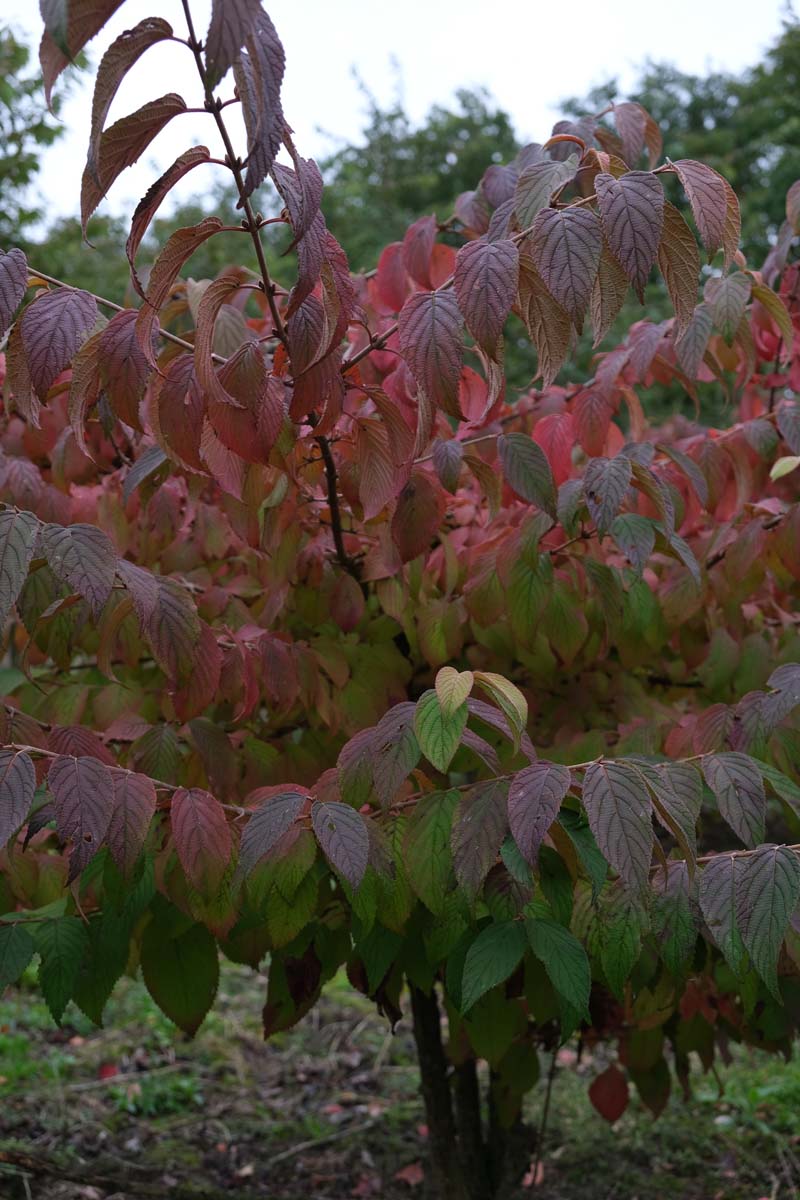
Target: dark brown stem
[[447, 1176], [551, 1076], [470, 1130], [331, 480]]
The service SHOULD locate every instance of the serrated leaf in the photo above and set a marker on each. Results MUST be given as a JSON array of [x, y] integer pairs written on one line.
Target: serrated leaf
[[18, 532], [564, 959], [632, 212], [736, 782], [153, 198], [62, 944], [536, 185], [395, 751], [485, 283], [509, 699], [430, 330], [343, 836], [83, 558], [678, 793], [438, 733], [566, 246], [605, 484], [622, 922], [527, 470], [17, 948], [181, 971], [534, 799], [427, 855], [478, 832], [608, 294], [266, 826], [179, 247], [258, 72], [13, 285], [452, 688], [417, 516], [134, 807], [620, 816], [83, 800], [707, 195], [548, 325], [718, 894], [673, 917], [679, 263], [493, 956], [692, 344], [636, 538], [202, 838], [17, 787], [52, 327], [767, 894], [231, 21], [776, 308], [728, 299], [69, 25]]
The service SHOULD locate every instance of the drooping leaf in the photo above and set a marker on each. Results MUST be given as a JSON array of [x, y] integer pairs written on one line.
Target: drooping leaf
[[691, 346], [17, 948], [632, 212], [18, 532], [608, 1093], [448, 456], [620, 816], [727, 298], [705, 190], [479, 828], [134, 807], [52, 328], [605, 484], [231, 22], [430, 329], [395, 751], [678, 796], [202, 838], [153, 198], [83, 800], [738, 788], [179, 247], [418, 243], [608, 294], [84, 558], [564, 959], [767, 894], [534, 799], [718, 893], [180, 969], [427, 855], [679, 263], [485, 284], [343, 836], [258, 72], [527, 470], [13, 285], [69, 25], [417, 516], [17, 786], [511, 702], [548, 325], [636, 536], [62, 944], [566, 246], [438, 732], [491, 958], [536, 185]]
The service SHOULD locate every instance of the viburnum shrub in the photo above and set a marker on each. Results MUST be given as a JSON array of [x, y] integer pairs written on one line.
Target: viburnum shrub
[[322, 650]]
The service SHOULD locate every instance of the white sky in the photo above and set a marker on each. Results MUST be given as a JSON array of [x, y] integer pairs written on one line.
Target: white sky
[[528, 53]]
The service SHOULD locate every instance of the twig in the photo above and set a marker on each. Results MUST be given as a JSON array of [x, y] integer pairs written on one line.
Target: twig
[[312, 1143], [551, 1075]]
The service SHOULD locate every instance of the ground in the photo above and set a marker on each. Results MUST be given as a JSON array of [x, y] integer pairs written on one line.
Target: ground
[[331, 1111]]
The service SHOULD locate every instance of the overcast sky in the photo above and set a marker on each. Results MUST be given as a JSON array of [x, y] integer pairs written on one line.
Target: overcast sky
[[528, 53]]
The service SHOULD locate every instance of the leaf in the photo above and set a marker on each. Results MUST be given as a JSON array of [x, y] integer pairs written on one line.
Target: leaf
[[534, 799], [62, 944], [478, 831], [548, 326], [728, 299], [438, 733], [114, 66], [448, 456], [767, 895], [202, 838], [608, 294], [121, 145], [705, 190], [83, 800], [231, 22], [564, 959], [180, 969], [608, 1093], [147, 464], [678, 794], [343, 836], [485, 283], [632, 212], [395, 751], [636, 538], [674, 918], [620, 817], [18, 532], [452, 688], [17, 786], [691, 346], [134, 808], [418, 244], [509, 699], [527, 470], [172, 626], [13, 285], [377, 481], [605, 484], [491, 959], [427, 855], [718, 894], [739, 791], [17, 948], [566, 246], [430, 331], [83, 558], [679, 263], [416, 517], [788, 420], [52, 328], [536, 185], [153, 198], [177, 250], [69, 25]]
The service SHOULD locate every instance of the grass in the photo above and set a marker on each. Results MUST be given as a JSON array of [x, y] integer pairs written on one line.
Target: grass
[[230, 1111]]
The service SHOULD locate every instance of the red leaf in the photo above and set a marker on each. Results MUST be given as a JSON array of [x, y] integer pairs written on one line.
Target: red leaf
[[632, 212], [152, 199], [556, 435], [267, 824], [202, 683], [478, 831], [416, 517], [566, 247], [84, 558], [391, 279], [549, 327], [608, 1093], [342, 834], [124, 369], [134, 807], [707, 194], [18, 534], [178, 249], [13, 285], [417, 249], [430, 328], [534, 798], [231, 22], [679, 263], [121, 145], [52, 327], [485, 284], [82, 791], [619, 809], [202, 838], [68, 27], [605, 483], [413, 1174], [177, 409], [17, 787]]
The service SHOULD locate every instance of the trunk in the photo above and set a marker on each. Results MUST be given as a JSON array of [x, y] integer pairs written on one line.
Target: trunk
[[509, 1149], [447, 1176], [470, 1131]]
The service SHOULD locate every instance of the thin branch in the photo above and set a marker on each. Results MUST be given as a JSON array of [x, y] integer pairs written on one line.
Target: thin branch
[[551, 1075]]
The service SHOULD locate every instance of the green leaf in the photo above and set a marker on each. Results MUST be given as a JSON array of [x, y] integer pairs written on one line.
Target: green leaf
[[784, 466], [636, 537], [605, 483], [673, 917], [508, 698], [428, 859], [395, 751], [181, 970], [564, 959], [527, 470], [582, 838], [767, 894], [556, 884], [377, 951], [621, 925], [103, 965], [491, 959], [18, 533], [437, 733], [735, 780], [17, 948], [62, 944], [452, 688]]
